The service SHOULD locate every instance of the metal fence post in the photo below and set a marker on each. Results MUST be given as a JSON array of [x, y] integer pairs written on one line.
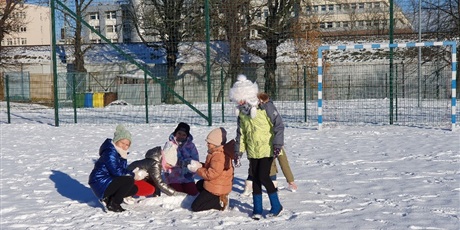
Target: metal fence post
[[8, 98], [146, 95]]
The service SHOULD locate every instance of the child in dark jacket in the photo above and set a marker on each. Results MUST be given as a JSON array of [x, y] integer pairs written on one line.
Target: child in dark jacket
[[110, 178], [155, 163]]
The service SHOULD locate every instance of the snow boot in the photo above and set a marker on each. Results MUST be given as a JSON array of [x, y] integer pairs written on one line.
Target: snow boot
[[247, 188], [275, 203], [257, 210], [224, 202], [114, 207]]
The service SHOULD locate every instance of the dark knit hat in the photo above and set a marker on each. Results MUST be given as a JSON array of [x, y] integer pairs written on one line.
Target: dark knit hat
[[183, 127]]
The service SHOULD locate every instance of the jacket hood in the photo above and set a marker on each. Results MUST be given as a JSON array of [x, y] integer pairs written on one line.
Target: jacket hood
[[153, 153]]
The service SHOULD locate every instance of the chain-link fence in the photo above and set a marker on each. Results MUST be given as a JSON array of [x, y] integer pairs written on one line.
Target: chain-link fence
[[353, 93], [179, 67]]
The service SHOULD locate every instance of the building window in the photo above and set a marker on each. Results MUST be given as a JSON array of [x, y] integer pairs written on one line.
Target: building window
[[266, 13], [322, 25], [111, 29], [308, 9], [361, 5], [330, 7], [22, 29], [361, 23], [323, 7], [23, 41], [353, 5], [329, 25], [345, 24], [111, 15], [94, 16], [97, 28], [376, 4], [9, 42], [338, 7], [96, 40]]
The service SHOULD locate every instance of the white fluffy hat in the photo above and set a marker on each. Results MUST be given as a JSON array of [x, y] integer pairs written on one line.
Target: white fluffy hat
[[244, 90]]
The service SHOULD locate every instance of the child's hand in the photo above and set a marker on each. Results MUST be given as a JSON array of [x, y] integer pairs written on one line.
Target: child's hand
[[292, 186]]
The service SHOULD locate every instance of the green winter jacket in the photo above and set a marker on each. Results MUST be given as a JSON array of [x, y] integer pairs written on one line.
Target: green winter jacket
[[259, 135]]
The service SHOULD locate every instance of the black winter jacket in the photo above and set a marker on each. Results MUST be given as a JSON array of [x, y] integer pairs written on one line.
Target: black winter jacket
[[152, 164]]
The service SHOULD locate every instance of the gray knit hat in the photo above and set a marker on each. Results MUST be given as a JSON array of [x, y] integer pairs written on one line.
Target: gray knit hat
[[121, 133]]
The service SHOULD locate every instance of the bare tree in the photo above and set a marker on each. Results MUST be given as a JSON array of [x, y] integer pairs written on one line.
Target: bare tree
[[170, 22], [307, 39], [277, 28], [79, 49], [232, 15], [12, 17]]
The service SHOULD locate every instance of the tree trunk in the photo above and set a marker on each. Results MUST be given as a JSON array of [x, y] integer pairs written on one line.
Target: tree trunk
[[79, 54], [171, 59], [270, 69]]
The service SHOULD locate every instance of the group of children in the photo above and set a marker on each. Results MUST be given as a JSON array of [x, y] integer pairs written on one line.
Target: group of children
[[172, 169]]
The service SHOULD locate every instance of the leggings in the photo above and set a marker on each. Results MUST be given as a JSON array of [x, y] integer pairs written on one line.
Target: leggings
[[260, 170], [119, 188]]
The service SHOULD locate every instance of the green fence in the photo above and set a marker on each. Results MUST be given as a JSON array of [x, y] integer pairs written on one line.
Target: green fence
[[354, 94]]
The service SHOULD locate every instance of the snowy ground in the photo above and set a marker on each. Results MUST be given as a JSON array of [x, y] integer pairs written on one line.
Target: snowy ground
[[366, 177]]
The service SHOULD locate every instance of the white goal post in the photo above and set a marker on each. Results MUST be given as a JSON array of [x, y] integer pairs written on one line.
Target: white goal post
[[452, 44]]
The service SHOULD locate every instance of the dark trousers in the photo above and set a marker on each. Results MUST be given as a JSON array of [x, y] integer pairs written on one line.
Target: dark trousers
[[260, 170], [205, 200], [121, 187]]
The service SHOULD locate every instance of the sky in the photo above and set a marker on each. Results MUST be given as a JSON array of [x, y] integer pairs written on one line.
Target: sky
[[348, 177]]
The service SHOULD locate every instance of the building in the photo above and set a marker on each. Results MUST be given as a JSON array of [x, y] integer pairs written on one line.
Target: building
[[36, 29], [357, 17], [343, 17], [111, 20]]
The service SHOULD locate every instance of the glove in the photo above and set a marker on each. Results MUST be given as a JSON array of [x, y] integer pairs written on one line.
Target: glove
[[176, 193], [194, 165], [139, 174], [276, 152], [237, 160]]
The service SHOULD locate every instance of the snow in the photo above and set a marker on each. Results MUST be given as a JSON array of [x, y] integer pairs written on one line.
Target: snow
[[348, 177]]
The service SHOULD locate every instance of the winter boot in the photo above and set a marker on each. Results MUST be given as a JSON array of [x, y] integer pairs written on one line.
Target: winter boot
[[275, 203], [247, 188], [114, 207], [257, 210], [224, 201]]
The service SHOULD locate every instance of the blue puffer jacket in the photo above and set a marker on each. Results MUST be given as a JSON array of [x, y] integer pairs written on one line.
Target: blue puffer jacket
[[109, 165]]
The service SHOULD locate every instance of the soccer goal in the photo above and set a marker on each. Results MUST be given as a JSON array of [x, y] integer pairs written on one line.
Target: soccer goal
[[375, 92]]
